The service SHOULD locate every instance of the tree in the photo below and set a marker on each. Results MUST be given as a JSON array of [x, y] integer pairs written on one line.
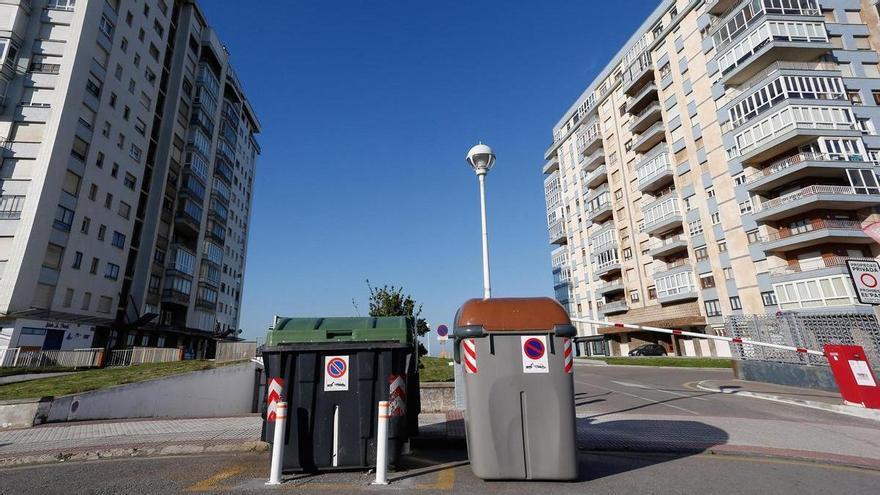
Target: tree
[[389, 300]]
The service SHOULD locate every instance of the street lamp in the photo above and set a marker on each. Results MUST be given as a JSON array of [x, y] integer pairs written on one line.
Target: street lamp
[[481, 158]]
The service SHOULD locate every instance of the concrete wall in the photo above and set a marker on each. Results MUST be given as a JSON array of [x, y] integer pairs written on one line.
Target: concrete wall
[[793, 375], [437, 397], [223, 391]]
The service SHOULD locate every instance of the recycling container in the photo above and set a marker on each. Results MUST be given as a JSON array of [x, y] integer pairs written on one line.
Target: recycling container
[[334, 372], [516, 358]]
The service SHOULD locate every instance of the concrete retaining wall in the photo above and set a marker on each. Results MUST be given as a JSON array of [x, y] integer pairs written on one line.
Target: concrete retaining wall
[[792, 375], [437, 397]]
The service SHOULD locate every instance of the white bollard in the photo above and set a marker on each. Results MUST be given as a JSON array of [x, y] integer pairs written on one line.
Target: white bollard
[[382, 445], [278, 444]]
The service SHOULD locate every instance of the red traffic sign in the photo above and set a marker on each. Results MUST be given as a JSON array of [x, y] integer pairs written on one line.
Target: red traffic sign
[[442, 331], [336, 367], [534, 348]]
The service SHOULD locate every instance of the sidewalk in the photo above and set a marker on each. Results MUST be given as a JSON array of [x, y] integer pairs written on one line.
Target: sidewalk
[[816, 399]]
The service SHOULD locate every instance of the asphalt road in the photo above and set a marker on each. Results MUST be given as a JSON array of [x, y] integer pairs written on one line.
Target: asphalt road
[[619, 394]]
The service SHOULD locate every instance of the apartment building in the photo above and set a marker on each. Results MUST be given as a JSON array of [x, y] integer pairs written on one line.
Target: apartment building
[[722, 164], [127, 172]]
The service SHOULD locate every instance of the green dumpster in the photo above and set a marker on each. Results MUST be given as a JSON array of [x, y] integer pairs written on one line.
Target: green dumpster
[[334, 373]]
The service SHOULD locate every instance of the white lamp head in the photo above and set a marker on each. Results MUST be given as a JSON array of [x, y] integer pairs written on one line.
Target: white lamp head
[[481, 158]]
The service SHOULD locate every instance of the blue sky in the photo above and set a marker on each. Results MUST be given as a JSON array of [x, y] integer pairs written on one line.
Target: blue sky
[[368, 109]]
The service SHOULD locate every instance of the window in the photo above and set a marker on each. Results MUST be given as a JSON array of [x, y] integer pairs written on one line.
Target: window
[[634, 295], [140, 127], [112, 271], [77, 260], [129, 181], [710, 192], [713, 308], [652, 293], [80, 149], [854, 97], [99, 160], [120, 141], [102, 231], [93, 87], [11, 207], [745, 207], [118, 239], [108, 201], [54, 254], [123, 45], [735, 303], [722, 246], [87, 301], [618, 194], [769, 298], [701, 253], [118, 73], [753, 236], [695, 227], [876, 95], [739, 179], [124, 210], [63, 218], [716, 218], [93, 191], [115, 170], [112, 100], [84, 227], [94, 268], [627, 254], [137, 59], [135, 152], [728, 273], [707, 280], [68, 298]]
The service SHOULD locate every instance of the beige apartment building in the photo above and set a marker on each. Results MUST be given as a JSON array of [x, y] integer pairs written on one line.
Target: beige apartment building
[[722, 164], [128, 160]]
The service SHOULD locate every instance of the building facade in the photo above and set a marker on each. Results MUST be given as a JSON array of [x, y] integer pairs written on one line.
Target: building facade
[[127, 173], [723, 164]]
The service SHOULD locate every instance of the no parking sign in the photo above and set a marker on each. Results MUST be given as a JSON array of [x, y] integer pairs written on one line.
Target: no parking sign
[[335, 373], [534, 354], [866, 279]]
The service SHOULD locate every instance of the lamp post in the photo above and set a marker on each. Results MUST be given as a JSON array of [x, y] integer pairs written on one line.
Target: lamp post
[[481, 158]]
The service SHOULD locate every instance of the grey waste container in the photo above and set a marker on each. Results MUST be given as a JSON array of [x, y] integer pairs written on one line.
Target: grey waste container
[[516, 357]]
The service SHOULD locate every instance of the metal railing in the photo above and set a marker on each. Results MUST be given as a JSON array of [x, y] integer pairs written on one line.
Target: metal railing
[[799, 158], [235, 351], [144, 355], [815, 224], [804, 193], [829, 262], [595, 173], [76, 358], [669, 240]]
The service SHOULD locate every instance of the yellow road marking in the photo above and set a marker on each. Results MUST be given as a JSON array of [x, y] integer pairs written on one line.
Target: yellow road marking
[[212, 482], [445, 481]]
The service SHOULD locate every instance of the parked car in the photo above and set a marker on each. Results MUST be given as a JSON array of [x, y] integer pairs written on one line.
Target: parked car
[[648, 350]]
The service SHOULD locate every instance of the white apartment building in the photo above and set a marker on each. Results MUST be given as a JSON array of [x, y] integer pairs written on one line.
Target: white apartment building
[[128, 162], [722, 164]]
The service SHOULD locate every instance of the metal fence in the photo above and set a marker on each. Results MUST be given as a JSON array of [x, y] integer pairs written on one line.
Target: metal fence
[[235, 351], [809, 330], [143, 355], [77, 358]]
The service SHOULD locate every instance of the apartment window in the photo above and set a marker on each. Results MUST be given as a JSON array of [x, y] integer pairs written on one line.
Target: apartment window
[[713, 308], [716, 218], [132, 86], [54, 254], [701, 253], [739, 179], [99, 160], [118, 72], [722, 246], [769, 298], [140, 127], [128, 18], [93, 191], [129, 181], [84, 227], [752, 236], [137, 59], [118, 239], [871, 70], [105, 303], [80, 149], [135, 153], [745, 207], [627, 254], [735, 303], [710, 192], [652, 293], [63, 218], [77, 260], [628, 145], [124, 210], [86, 301], [112, 271], [618, 194], [688, 203], [665, 70], [120, 141], [114, 171], [854, 97], [695, 227], [707, 280], [876, 95], [102, 231], [108, 201], [93, 87], [634, 295], [68, 298], [112, 99], [11, 207], [123, 45], [728, 273], [93, 269]]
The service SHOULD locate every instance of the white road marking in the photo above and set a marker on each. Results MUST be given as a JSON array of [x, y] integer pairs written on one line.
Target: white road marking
[[639, 397], [647, 387]]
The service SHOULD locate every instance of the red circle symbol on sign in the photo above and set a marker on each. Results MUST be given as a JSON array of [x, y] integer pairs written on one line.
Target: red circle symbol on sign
[[534, 348], [868, 280], [336, 367]]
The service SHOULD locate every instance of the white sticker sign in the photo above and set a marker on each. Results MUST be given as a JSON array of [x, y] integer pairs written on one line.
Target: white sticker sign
[[866, 279], [534, 354], [862, 373], [335, 373]]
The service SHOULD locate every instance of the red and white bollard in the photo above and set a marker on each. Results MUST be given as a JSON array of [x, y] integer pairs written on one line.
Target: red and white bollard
[[278, 444], [382, 445]]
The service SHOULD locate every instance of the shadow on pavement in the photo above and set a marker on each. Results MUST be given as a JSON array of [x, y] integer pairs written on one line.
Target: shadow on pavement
[[614, 447], [653, 403]]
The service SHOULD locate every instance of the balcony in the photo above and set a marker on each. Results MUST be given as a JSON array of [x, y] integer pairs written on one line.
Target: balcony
[[720, 7], [607, 268], [642, 99], [614, 307], [771, 40], [641, 75], [600, 212], [592, 161], [596, 177], [552, 165], [812, 198], [649, 115], [185, 222], [589, 140], [557, 233], [668, 246], [175, 297], [651, 137], [654, 170], [798, 270], [817, 231], [676, 284], [663, 215], [611, 287], [801, 166]]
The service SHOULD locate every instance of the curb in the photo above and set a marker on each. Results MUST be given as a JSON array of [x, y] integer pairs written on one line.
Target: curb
[[87, 454], [835, 408]]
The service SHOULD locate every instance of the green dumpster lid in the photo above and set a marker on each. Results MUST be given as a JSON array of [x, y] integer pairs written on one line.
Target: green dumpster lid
[[341, 329]]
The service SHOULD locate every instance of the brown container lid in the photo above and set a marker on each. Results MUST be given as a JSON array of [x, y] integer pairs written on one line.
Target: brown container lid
[[513, 314]]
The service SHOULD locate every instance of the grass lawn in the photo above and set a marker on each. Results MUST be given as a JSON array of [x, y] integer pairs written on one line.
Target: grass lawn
[[25, 371], [435, 370], [680, 362], [98, 379]]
